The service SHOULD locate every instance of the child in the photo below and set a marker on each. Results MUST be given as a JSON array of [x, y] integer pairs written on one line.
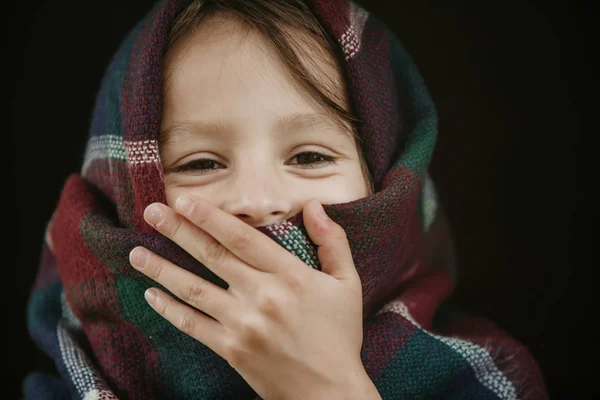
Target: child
[[220, 129]]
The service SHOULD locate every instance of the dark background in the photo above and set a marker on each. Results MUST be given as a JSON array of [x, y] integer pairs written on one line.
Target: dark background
[[511, 81]]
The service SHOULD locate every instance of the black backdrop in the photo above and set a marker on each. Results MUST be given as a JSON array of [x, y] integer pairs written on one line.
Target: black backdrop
[[509, 80]]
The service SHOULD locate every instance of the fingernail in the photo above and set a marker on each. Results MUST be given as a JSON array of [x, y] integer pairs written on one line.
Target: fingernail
[[150, 295], [184, 205], [154, 214], [138, 258], [321, 212]]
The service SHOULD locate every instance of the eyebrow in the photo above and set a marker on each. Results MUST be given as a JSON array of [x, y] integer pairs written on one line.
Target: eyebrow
[[299, 121], [290, 123], [208, 128]]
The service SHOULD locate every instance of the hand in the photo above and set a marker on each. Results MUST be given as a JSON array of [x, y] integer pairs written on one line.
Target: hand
[[289, 330]]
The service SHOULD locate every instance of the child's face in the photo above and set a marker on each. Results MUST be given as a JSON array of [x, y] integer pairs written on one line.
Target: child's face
[[237, 133]]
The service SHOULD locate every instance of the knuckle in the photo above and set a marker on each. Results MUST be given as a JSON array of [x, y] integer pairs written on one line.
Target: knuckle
[[234, 352], [200, 215], [214, 252], [267, 303], [156, 269], [341, 233], [161, 305], [241, 241], [187, 323], [252, 331], [193, 294], [296, 284], [174, 227]]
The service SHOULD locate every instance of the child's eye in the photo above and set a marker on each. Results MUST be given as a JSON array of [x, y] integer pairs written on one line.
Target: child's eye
[[203, 165], [312, 159], [307, 159]]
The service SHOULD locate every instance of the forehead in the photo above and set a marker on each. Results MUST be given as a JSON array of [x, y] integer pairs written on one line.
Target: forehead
[[220, 34]]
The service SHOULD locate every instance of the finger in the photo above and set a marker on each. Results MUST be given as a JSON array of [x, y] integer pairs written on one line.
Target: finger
[[333, 247], [247, 243], [187, 320], [200, 245], [193, 290]]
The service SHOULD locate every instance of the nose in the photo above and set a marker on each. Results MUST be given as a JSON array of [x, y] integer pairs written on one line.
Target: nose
[[258, 198]]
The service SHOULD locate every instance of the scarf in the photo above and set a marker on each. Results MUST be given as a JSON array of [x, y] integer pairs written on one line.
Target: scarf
[[87, 310]]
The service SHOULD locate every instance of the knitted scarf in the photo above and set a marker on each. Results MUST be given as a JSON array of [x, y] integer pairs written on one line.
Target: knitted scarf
[[87, 310]]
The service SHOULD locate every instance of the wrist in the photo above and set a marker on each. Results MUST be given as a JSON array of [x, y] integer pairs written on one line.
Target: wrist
[[358, 386], [363, 389]]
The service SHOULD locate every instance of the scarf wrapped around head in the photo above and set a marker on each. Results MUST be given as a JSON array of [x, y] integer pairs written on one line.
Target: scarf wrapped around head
[[87, 310]]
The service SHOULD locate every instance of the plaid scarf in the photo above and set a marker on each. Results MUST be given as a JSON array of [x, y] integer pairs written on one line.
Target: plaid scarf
[[87, 310]]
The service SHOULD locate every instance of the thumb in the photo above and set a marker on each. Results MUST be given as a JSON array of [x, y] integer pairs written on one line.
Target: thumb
[[333, 248]]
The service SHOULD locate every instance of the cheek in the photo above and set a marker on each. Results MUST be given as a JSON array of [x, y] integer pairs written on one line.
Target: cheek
[[173, 192], [336, 189], [356, 181], [175, 188], [356, 189]]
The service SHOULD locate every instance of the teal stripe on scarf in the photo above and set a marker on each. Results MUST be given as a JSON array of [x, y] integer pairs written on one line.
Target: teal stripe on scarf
[[417, 153], [43, 314], [180, 355], [183, 373], [429, 366], [107, 113]]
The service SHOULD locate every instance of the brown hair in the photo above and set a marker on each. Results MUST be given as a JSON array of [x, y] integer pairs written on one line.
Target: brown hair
[[280, 21]]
